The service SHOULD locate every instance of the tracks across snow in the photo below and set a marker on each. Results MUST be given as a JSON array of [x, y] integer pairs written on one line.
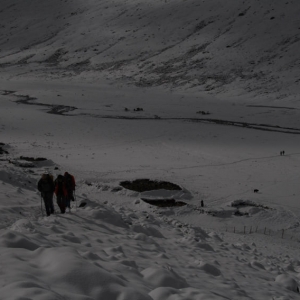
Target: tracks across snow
[[256, 126], [61, 109], [53, 108]]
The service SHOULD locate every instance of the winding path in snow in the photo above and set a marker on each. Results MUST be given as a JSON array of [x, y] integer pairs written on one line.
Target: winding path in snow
[[64, 111]]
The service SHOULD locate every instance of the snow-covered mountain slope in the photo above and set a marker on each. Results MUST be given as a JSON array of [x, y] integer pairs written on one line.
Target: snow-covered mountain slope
[[238, 48], [201, 94]]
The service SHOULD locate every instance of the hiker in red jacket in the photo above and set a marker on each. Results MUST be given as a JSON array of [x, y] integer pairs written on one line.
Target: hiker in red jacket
[[70, 187], [61, 193]]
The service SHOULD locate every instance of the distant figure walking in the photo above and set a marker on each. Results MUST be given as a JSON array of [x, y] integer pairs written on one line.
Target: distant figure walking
[[202, 203], [46, 188], [70, 187], [61, 193], [282, 152]]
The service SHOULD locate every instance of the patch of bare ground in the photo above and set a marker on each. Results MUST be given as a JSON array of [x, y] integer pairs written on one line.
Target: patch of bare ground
[[143, 185]]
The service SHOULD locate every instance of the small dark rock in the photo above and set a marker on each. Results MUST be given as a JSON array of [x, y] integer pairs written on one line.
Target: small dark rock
[[138, 109]]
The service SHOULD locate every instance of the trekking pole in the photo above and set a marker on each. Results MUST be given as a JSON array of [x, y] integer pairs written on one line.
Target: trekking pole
[[75, 199], [42, 206]]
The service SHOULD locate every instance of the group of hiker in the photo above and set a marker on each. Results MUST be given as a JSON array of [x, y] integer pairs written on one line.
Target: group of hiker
[[63, 187]]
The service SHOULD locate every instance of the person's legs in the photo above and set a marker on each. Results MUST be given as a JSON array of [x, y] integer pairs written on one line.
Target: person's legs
[[47, 207], [68, 202], [51, 205], [69, 198], [72, 196], [61, 203], [48, 200]]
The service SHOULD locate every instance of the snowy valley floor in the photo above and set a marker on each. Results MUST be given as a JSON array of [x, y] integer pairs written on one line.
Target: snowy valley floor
[[117, 247]]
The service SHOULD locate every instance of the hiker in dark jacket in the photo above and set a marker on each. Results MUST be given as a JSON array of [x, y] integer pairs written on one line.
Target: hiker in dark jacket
[[46, 187], [70, 186], [61, 193]]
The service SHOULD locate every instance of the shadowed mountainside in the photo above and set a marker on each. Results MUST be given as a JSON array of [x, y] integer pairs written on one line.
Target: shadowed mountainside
[[217, 46]]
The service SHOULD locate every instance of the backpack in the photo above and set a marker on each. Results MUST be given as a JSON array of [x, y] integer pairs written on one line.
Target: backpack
[[46, 184], [59, 184], [69, 182]]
